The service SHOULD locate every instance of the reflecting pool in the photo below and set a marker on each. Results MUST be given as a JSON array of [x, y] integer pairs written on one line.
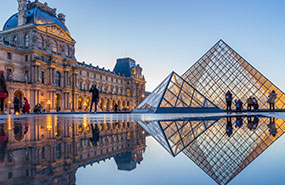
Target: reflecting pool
[[142, 149]]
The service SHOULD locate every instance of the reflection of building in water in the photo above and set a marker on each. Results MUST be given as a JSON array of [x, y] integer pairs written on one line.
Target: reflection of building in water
[[49, 150], [207, 144]]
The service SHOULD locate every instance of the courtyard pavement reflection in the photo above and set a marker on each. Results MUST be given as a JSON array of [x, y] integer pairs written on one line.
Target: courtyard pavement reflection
[[49, 148]]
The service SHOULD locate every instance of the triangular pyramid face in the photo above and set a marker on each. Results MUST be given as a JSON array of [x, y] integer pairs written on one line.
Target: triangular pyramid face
[[180, 96], [151, 102], [175, 95], [222, 69], [176, 135]]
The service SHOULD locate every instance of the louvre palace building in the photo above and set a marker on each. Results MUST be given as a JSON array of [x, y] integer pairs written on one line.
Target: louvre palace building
[[37, 54]]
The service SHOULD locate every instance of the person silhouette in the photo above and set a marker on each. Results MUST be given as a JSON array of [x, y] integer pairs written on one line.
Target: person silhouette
[[272, 127], [229, 127]]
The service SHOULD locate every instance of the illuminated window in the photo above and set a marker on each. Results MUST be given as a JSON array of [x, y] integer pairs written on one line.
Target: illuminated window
[[128, 92]]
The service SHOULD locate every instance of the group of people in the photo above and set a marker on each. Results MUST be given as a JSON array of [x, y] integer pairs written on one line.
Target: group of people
[[252, 103], [18, 104], [252, 124]]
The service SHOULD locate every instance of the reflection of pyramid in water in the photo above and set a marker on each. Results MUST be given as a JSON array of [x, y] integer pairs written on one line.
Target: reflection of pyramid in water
[[206, 143], [223, 157], [222, 69], [175, 95], [175, 136]]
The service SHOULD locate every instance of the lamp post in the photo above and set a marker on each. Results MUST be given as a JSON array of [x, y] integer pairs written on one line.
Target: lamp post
[[9, 106]]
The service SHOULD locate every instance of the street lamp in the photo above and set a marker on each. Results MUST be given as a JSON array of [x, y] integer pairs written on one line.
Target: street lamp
[[9, 106]]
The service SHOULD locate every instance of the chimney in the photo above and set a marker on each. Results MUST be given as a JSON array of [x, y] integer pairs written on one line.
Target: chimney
[[22, 9], [61, 17]]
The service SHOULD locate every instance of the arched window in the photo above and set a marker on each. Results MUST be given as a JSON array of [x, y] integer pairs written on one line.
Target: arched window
[[27, 40], [66, 50], [40, 42], [57, 79], [15, 40], [80, 85], [54, 46]]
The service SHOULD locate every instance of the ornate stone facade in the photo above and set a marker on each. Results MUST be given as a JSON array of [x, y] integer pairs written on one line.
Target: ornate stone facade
[[37, 53]]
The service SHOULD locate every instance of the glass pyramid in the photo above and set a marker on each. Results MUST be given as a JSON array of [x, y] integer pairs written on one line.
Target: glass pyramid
[[175, 95], [175, 136], [222, 69], [223, 157]]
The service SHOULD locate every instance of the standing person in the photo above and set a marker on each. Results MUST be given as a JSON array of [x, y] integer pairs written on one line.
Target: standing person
[[271, 100], [26, 108], [16, 104], [255, 104], [249, 102], [116, 107], [238, 105], [3, 91], [95, 97], [229, 98]]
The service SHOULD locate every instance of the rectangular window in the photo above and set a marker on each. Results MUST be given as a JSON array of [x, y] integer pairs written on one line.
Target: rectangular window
[[26, 58], [100, 77], [42, 76], [80, 72], [87, 74], [9, 56], [9, 74], [94, 75]]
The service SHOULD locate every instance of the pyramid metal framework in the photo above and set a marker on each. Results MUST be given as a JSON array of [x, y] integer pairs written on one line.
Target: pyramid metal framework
[[223, 157], [175, 136], [175, 95], [222, 69], [206, 143]]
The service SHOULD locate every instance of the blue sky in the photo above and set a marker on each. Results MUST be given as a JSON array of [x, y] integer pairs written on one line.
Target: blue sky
[[167, 35]]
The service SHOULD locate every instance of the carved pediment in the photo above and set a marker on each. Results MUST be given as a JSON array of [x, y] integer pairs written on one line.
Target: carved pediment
[[55, 30]]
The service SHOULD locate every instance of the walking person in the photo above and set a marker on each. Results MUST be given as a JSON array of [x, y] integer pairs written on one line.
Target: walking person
[[26, 107], [229, 98], [16, 105], [271, 100], [95, 97], [3, 91]]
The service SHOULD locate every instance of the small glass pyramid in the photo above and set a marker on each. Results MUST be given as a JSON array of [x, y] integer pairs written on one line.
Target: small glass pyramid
[[175, 95], [222, 69]]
